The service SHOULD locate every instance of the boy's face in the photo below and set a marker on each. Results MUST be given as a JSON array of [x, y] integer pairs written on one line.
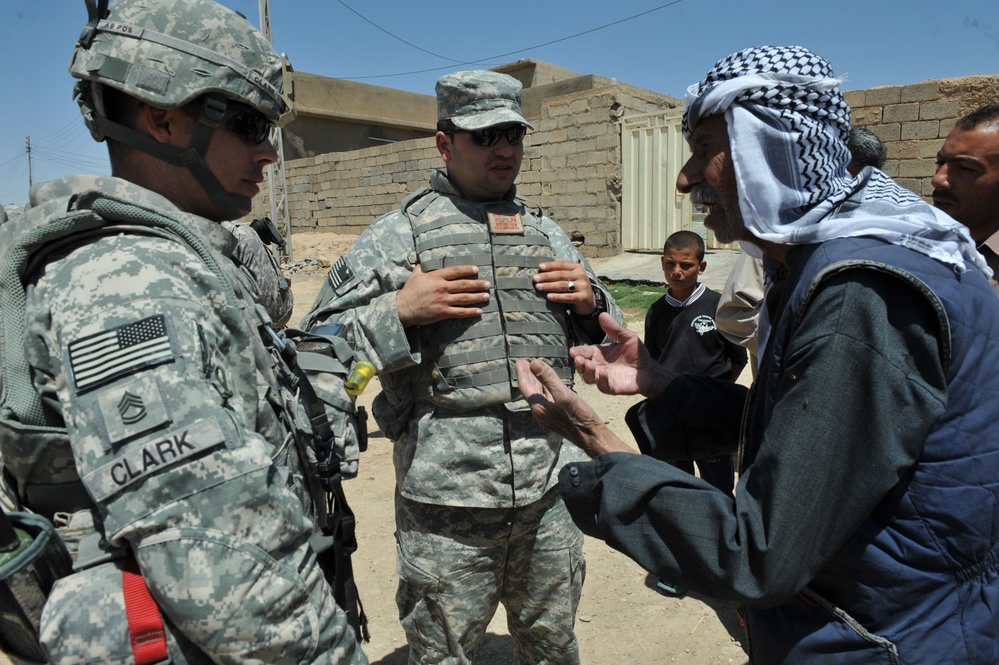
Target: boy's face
[[681, 270]]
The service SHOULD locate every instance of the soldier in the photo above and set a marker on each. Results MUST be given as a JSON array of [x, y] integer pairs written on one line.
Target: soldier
[[141, 409], [443, 295]]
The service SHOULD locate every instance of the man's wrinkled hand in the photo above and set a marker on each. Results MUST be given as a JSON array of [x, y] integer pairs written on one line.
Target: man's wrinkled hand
[[563, 411], [622, 367]]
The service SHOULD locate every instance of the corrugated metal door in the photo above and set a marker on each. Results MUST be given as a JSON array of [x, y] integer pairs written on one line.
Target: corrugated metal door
[[653, 150]]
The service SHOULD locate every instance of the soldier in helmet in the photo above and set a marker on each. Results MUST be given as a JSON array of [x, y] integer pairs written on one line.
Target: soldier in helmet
[[143, 412], [444, 295]]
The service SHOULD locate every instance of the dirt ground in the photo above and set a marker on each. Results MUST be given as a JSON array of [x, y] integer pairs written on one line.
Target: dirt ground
[[621, 618]]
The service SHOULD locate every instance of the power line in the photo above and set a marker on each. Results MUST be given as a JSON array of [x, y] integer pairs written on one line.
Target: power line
[[46, 151], [15, 170], [480, 61], [397, 37]]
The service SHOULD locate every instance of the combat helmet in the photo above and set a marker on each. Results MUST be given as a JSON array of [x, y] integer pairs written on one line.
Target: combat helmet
[[168, 53]]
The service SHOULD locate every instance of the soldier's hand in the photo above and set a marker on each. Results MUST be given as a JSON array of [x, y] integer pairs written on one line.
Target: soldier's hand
[[566, 282], [448, 293]]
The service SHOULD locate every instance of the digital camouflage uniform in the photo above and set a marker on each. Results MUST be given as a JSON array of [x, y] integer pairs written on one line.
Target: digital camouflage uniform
[[478, 519], [188, 453], [272, 288], [146, 409]]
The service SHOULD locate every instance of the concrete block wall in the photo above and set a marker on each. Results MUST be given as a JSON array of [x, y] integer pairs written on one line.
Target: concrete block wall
[[343, 192], [572, 160], [914, 120], [571, 168]]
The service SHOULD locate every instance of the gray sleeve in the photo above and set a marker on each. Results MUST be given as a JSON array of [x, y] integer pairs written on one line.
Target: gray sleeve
[[741, 298], [360, 294], [829, 455]]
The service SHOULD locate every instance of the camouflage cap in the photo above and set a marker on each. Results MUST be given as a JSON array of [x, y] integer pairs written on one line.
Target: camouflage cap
[[169, 52], [477, 99]]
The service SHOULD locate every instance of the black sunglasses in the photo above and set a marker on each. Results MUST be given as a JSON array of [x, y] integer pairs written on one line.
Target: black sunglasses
[[490, 136], [249, 124]]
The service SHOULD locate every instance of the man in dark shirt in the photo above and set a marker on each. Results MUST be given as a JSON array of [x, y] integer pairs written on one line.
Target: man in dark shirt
[[863, 527]]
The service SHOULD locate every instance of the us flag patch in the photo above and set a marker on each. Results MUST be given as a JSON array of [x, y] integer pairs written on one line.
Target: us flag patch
[[340, 273], [102, 357]]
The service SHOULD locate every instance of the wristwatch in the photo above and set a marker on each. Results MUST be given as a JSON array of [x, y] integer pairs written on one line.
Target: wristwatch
[[598, 296]]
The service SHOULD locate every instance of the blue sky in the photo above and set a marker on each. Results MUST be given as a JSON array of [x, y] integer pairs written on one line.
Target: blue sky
[[665, 49]]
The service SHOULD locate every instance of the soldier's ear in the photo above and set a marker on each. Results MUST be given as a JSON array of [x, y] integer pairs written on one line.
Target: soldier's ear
[[171, 126], [444, 146]]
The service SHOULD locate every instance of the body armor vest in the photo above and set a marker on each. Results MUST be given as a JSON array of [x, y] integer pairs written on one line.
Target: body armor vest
[[471, 361]]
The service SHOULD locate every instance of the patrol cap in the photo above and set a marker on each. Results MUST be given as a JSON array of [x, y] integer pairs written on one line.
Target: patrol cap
[[478, 99]]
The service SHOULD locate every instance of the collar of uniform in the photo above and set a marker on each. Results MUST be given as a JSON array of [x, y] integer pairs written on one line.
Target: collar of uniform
[[72, 185]]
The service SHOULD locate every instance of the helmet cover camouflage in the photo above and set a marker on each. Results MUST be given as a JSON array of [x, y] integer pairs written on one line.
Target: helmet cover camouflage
[[478, 99], [169, 52]]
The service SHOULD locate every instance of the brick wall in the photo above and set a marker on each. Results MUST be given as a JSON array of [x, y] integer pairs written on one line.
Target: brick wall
[[572, 159], [914, 120], [571, 168]]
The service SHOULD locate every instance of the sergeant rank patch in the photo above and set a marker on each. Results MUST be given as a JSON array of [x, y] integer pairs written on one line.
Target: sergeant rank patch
[[102, 357]]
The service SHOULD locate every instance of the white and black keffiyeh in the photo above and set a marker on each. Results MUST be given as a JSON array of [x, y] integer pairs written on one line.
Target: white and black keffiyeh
[[788, 125]]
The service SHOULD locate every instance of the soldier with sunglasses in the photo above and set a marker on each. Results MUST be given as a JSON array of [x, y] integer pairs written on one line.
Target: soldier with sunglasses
[[444, 295], [145, 412]]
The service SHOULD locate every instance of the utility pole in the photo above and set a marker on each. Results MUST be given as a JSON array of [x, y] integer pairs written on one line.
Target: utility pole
[[275, 172], [30, 177]]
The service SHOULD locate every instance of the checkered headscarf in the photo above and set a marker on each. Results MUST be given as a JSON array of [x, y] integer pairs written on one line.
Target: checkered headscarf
[[788, 125]]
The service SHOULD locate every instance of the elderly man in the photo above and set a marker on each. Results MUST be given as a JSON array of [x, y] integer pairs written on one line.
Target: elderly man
[[443, 295], [864, 525], [148, 410], [966, 184]]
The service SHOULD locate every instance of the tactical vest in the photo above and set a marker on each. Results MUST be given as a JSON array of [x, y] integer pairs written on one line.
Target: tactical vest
[[471, 362], [919, 579]]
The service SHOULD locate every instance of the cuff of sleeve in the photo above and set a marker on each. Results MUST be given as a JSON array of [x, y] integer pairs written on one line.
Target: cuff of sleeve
[[579, 484]]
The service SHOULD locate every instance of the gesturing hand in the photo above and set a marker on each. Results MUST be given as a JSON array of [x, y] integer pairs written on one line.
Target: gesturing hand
[[448, 293], [563, 411], [623, 367]]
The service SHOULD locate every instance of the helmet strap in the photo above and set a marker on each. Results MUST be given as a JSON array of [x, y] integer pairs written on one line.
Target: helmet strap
[[192, 157]]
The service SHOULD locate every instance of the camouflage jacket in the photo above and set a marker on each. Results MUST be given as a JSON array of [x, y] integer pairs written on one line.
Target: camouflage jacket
[[178, 424], [489, 457], [271, 288]]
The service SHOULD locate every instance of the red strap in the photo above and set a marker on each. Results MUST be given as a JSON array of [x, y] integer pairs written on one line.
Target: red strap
[[145, 627]]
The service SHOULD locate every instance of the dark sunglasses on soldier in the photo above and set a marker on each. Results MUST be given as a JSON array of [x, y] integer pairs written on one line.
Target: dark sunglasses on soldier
[[490, 136], [249, 124]]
